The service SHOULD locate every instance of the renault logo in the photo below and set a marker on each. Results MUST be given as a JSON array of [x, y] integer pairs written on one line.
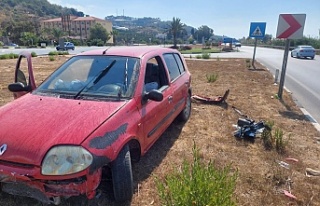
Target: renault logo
[[3, 148]]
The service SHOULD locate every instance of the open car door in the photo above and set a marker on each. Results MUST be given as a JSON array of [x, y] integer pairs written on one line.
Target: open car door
[[24, 81]]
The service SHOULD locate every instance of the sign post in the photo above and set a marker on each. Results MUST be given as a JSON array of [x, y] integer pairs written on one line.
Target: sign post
[[290, 26], [257, 30]]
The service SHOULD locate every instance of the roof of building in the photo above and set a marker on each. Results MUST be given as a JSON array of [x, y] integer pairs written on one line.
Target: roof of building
[[74, 18]]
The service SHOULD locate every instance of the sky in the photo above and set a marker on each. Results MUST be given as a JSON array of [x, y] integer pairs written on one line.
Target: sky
[[231, 18]]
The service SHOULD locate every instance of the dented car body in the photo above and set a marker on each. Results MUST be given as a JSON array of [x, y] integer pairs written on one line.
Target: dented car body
[[100, 109]]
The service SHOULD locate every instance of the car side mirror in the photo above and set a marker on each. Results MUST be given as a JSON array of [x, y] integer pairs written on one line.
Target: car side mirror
[[18, 87], [154, 95]]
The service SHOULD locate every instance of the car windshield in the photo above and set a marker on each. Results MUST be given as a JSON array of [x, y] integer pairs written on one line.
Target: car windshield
[[93, 77]]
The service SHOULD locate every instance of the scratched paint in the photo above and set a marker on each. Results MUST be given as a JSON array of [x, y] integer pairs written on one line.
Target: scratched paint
[[109, 138]]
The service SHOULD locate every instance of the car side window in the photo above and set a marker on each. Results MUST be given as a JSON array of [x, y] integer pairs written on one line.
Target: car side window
[[179, 62], [155, 75], [172, 65]]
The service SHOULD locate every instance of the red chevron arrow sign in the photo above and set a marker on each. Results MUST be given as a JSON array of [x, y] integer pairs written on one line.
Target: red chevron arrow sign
[[290, 26]]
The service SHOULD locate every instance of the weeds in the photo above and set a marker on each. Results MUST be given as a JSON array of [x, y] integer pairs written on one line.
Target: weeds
[[275, 140], [267, 135], [198, 184], [248, 63], [212, 77]]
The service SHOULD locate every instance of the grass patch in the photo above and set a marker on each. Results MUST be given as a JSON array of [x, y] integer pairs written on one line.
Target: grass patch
[[198, 184], [200, 51]]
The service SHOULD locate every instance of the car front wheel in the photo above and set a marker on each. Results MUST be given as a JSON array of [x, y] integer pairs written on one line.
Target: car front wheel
[[122, 179], [186, 112]]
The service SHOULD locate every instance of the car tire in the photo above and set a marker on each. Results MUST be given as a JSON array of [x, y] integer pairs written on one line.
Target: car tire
[[186, 112], [312, 57], [291, 54], [122, 179]]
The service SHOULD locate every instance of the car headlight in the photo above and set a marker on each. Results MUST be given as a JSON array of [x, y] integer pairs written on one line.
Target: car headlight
[[63, 160]]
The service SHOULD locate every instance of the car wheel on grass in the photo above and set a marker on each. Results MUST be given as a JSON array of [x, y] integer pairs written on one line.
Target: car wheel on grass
[[122, 179], [185, 113]]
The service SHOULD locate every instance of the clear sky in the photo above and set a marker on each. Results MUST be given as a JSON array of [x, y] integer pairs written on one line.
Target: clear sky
[[231, 18]]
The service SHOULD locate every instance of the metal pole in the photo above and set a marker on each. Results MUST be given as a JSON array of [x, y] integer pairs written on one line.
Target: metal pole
[[254, 52], [284, 67]]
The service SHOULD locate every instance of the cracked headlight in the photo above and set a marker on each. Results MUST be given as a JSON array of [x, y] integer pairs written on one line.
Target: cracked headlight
[[63, 160]]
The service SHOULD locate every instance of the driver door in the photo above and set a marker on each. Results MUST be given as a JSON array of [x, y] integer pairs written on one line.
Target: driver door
[[23, 75]]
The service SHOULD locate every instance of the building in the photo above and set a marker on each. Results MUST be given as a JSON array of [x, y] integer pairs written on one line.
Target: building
[[76, 27]]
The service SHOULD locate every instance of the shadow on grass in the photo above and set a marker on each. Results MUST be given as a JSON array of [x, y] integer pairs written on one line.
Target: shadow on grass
[[289, 113]]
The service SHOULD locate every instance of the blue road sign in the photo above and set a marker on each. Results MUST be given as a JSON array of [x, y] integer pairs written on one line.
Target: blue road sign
[[257, 29]]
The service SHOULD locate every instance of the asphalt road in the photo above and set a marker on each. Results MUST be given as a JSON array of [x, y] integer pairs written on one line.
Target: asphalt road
[[302, 75]]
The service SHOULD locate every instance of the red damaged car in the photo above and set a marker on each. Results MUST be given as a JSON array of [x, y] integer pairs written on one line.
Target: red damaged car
[[99, 111]]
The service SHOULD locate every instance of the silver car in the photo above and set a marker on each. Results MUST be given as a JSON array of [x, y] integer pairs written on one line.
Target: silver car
[[303, 51]]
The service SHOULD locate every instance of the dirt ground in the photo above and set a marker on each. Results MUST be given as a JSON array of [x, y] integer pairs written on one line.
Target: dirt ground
[[261, 179]]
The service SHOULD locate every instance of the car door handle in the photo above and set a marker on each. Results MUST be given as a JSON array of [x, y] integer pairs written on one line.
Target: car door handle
[[170, 98]]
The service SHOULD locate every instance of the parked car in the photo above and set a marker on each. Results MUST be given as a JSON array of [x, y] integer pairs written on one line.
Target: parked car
[[303, 51], [67, 46], [97, 113]]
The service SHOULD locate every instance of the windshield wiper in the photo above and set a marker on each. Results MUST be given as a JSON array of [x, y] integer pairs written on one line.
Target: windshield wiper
[[97, 79]]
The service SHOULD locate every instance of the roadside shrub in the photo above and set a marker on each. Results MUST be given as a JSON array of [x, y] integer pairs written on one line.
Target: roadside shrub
[[52, 58], [52, 53], [198, 56], [198, 184], [186, 47], [212, 77], [33, 54], [9, 56], [206, 56]]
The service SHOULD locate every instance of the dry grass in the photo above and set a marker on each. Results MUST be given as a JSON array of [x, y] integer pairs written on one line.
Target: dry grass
[[261, 179]]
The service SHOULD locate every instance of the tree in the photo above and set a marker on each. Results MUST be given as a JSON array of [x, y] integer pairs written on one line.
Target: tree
[[114, 34], [176, 27], [57, 33], [203, 32], [29, 39], [99, 32]]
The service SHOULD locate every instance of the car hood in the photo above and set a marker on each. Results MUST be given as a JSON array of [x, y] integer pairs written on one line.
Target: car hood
[[32, 124]]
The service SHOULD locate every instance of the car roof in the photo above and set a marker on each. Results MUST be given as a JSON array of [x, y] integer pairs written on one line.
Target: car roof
[[132, 51], [304, 46]]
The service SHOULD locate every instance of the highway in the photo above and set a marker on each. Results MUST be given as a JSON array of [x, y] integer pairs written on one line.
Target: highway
[[302, 75]]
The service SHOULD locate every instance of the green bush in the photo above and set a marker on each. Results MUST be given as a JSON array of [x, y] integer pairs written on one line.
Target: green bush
[[33, 54], [206, 56], [52, 58], [198, 56], [54, 53], [198, 184], [9, 56]]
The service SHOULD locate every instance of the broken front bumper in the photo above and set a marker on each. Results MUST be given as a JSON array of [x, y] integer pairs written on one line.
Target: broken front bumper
[[29, 182]]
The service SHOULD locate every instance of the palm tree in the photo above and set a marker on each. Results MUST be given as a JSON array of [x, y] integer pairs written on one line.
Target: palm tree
[[176, 27], [57, 33], [114, 33]]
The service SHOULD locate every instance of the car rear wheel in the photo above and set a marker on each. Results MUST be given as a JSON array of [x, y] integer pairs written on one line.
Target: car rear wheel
[[186, 112], [291, 54], [122, 179]]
